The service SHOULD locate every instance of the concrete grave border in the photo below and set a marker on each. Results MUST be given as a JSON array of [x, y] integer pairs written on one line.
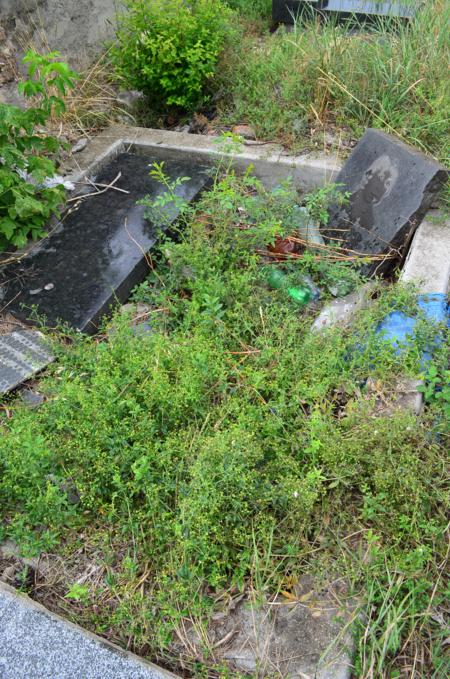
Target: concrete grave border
[[32, 614], [270, 163]]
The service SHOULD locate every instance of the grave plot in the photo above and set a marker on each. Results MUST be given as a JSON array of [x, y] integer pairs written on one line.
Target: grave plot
[[230, 413], [97, 254], [287, 11]]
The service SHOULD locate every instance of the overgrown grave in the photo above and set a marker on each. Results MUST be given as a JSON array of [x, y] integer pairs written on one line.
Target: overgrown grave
[[218, 357]]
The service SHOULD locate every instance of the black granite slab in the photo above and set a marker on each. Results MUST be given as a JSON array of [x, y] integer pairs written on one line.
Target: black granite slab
[[284, 11], [97, 255], [392, 186]]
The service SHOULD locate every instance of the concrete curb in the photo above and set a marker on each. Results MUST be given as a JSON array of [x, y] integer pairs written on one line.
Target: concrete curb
[[38, 644], [270, 163]]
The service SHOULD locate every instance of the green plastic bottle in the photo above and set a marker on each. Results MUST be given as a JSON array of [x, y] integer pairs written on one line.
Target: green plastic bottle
[[279, 281]]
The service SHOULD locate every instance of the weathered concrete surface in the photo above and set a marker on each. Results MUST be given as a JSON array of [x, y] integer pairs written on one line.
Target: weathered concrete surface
[[23, 353], [77, 29], [270, 163], [37, 644], [342, 311], [428, 261]]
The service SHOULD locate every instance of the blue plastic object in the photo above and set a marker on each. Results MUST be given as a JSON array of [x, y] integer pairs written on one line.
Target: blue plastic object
[[399, 329]]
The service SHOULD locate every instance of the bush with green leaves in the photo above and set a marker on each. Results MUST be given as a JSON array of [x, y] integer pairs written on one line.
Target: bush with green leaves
[[168, 49], [27, 197]]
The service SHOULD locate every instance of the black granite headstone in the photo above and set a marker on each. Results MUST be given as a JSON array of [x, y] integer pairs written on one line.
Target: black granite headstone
[[392, 186], [285, 11], [98, 253]]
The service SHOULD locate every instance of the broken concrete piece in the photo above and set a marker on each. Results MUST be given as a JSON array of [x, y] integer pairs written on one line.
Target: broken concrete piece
[[306, 636], [392, 185], [23, 353], [286, 11], [244, 131], [80, 145], [342, 311], [33, 399], [405, 397]]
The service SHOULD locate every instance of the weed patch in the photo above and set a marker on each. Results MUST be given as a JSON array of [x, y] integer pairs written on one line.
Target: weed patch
[[320, 76], [230, 437]]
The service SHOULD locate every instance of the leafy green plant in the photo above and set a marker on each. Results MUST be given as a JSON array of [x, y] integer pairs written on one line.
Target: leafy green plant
[[78, 592], [169, 49], [169, 202], [318, 202], [28, 197], [252, 8], [436, 388]]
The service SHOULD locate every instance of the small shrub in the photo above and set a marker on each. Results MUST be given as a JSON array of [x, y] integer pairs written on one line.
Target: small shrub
[[168, 48], [27, 198]]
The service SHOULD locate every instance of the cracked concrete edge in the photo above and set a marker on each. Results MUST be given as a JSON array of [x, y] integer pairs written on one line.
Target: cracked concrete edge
[[270, 163], [428, 261], [11, 593]]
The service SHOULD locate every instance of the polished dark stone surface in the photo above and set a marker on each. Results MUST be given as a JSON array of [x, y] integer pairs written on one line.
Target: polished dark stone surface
[[97, 255], [284, 11], [392, 186]]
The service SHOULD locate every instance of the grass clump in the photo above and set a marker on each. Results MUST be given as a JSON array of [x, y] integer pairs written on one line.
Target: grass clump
[[321, 76], [229, 436]]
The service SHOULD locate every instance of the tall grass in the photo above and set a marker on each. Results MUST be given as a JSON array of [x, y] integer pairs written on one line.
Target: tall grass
[[322, 75]]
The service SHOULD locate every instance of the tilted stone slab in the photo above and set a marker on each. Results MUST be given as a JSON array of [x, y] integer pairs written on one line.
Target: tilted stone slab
[[391, 186], [23, 353], [98, 253]]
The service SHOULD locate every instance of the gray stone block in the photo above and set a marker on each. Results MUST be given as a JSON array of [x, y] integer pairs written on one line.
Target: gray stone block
[[342, 311], [101, 244], [23, 353], [37, 644], [391, 186]]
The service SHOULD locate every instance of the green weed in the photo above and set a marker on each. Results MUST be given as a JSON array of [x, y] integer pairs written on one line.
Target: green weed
[[231, 449], [169, 49], [321, 76]]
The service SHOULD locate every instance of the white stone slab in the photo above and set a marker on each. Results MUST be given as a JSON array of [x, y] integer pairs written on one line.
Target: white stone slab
[[428, 261]]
